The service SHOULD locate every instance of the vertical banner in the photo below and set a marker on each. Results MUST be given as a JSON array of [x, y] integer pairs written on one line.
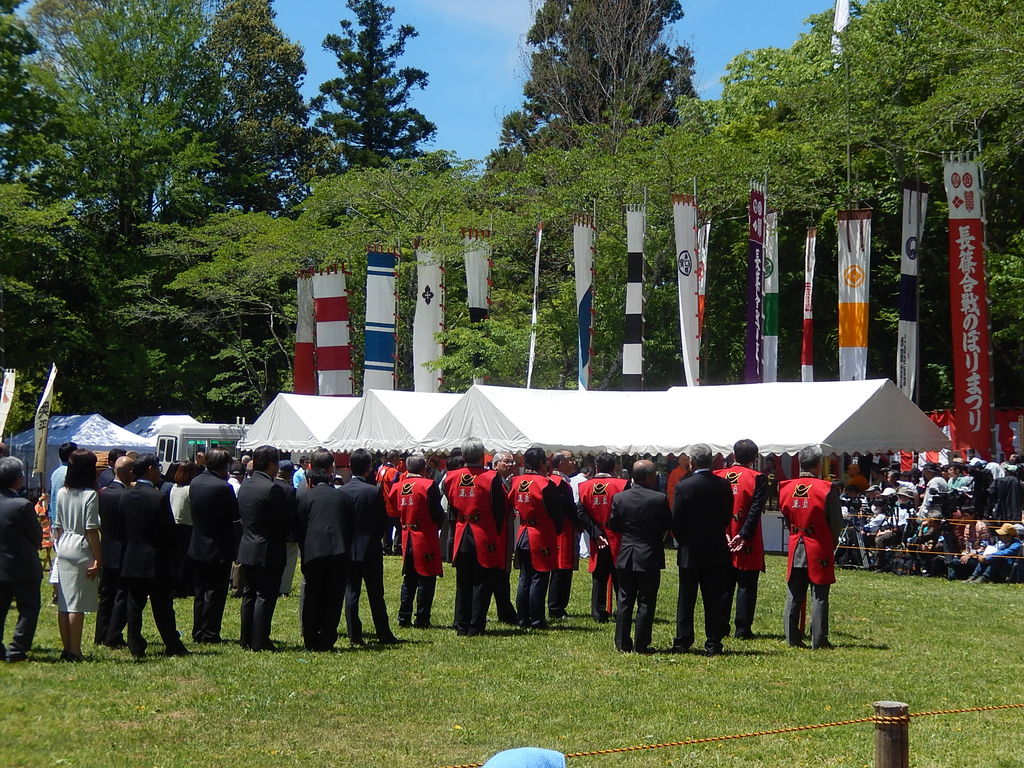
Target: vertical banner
[[533, 314], [477, 252], [583, 236], [703, 237], [304, 372], [968, 296], [428, 321], [807, 345], [770, 341], [6, 397], [333, 336], [684, 219], [755, 284], [42, 429], [633, 344], [854, 290], [379, 331], [915, 205]]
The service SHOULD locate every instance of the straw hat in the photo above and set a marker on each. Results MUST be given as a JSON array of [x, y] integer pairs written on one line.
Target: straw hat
[[1006, 529]]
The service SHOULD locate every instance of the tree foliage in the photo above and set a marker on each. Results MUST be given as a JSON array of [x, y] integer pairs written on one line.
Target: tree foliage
[[373, 122]]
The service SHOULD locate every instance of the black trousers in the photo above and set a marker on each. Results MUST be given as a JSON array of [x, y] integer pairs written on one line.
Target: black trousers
[[322, 601], [422, 589], [472, 593], [713, 584], [743, 585], [796, 598], [370, 573], [532, 592], [501, 588], [639, 588], [211, 593], [599, 588], [260, 585], [112, 610], [25, 595], [160, 596], [559, 591]]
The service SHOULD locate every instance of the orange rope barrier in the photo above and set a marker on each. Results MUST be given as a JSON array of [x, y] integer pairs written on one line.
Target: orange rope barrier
[[920, 551]]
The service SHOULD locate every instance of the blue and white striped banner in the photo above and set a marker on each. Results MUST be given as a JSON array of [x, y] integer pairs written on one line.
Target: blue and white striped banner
[[379, 337]]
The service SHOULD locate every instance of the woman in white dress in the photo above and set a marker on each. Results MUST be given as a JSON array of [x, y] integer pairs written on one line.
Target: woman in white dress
[[76, 529]]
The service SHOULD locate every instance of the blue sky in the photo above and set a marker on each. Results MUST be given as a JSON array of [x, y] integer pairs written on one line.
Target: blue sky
[[472, 50]]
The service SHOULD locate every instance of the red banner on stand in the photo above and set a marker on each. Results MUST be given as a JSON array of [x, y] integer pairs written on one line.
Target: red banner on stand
[[968, 293]]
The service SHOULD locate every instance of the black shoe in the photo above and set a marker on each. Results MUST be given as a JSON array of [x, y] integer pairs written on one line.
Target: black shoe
[[645, 651], [71, 657], [388, 640], [679, 648], [425, 624], [745, 635], [14, 658], [823, 646], [538, 624], [183, 651], [558, 613], [404, 623], [800, 644], [709, 652]]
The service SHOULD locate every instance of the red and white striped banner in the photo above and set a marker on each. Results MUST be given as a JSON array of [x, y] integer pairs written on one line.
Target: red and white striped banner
[[968, 295], [807, 347], [333, 335], [304, 372], [854, 291]]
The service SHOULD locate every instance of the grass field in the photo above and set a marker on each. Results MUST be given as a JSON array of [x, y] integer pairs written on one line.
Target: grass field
[[438, 699]]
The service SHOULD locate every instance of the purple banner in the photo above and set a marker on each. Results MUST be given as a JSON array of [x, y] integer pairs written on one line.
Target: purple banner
[[755, 287]]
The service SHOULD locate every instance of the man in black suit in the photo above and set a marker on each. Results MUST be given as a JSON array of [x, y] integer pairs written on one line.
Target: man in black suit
[[285, 473], [112, 611], [366, 519], [640, 514], [20, 571], [701, 511], [213, 544], [319, 523], [263, 509], [148, 557]]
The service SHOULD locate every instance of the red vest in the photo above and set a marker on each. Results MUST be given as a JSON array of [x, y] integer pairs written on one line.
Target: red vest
[[469, 494], [419, 532], [386, 477], [526, 497], [596, 498], [802, 502], [743, 479], [568, 540]]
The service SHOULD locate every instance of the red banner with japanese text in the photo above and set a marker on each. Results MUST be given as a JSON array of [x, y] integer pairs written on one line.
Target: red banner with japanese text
[[968, 294]]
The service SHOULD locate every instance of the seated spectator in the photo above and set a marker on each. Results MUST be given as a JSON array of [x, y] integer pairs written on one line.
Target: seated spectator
[[977, 536], [996, 562]]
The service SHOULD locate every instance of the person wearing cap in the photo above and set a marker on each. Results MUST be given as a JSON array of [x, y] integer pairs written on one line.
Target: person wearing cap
[[996, 565], [935, 484]]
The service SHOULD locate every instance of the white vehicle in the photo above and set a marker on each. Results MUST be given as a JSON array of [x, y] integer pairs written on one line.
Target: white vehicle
[[181, 442]]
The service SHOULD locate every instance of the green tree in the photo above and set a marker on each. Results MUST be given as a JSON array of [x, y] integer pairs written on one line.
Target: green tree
[[373, 121], [265, 148], [599, 63], [22, 106]]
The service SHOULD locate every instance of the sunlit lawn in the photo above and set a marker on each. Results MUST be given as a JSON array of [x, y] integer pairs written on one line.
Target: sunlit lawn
[[438, 699]]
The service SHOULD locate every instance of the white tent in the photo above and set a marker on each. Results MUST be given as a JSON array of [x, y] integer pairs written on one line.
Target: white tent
[[150, 426], [298, 422], [391, 420], [841, 417], [91, 432]]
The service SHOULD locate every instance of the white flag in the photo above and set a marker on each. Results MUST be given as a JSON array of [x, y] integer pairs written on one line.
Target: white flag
[[42, 426], [839, 23], [6, 397]]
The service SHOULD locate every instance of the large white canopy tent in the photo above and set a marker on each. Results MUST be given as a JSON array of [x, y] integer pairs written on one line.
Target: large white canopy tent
[[298, 422], [388, 420], [840, 417], [150, 426], [90, 431]]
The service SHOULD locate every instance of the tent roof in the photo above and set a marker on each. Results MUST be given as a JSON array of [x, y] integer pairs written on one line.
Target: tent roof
[[90, 431], [298, 422], [150, 426], [391, 420], [842, 417]]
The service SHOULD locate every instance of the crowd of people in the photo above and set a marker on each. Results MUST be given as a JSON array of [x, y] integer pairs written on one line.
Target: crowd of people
[[130, 534]]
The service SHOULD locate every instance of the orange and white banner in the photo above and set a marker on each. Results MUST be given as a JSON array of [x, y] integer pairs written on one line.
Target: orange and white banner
[[854, 290]]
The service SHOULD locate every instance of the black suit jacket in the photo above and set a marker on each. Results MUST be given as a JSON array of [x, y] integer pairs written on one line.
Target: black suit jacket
[[263, 509], [290, 501], [112, 523], [641, 515], [366, 518], [20, 539], [214, 517], [701, 511], [319, 522], [149, 534]]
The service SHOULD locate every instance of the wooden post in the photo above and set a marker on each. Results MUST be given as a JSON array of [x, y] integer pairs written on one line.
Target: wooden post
[[892, 739]]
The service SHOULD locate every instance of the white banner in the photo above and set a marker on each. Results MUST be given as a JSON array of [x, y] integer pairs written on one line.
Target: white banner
[[428, 321], [6, 397], [915, 205], [533, 314], [807, 346], [42, 428], [854, 290], [684, 219], [477, 253], [703, 238]]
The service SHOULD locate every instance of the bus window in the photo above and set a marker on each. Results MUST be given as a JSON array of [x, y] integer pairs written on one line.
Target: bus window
[[167, 449]]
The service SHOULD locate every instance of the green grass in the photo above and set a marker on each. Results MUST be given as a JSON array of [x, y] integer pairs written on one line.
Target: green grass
[[438, 699]]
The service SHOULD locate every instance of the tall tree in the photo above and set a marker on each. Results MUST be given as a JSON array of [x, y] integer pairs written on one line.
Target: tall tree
[[599, 62], [266, 149], [373, 122], [22, 105]]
